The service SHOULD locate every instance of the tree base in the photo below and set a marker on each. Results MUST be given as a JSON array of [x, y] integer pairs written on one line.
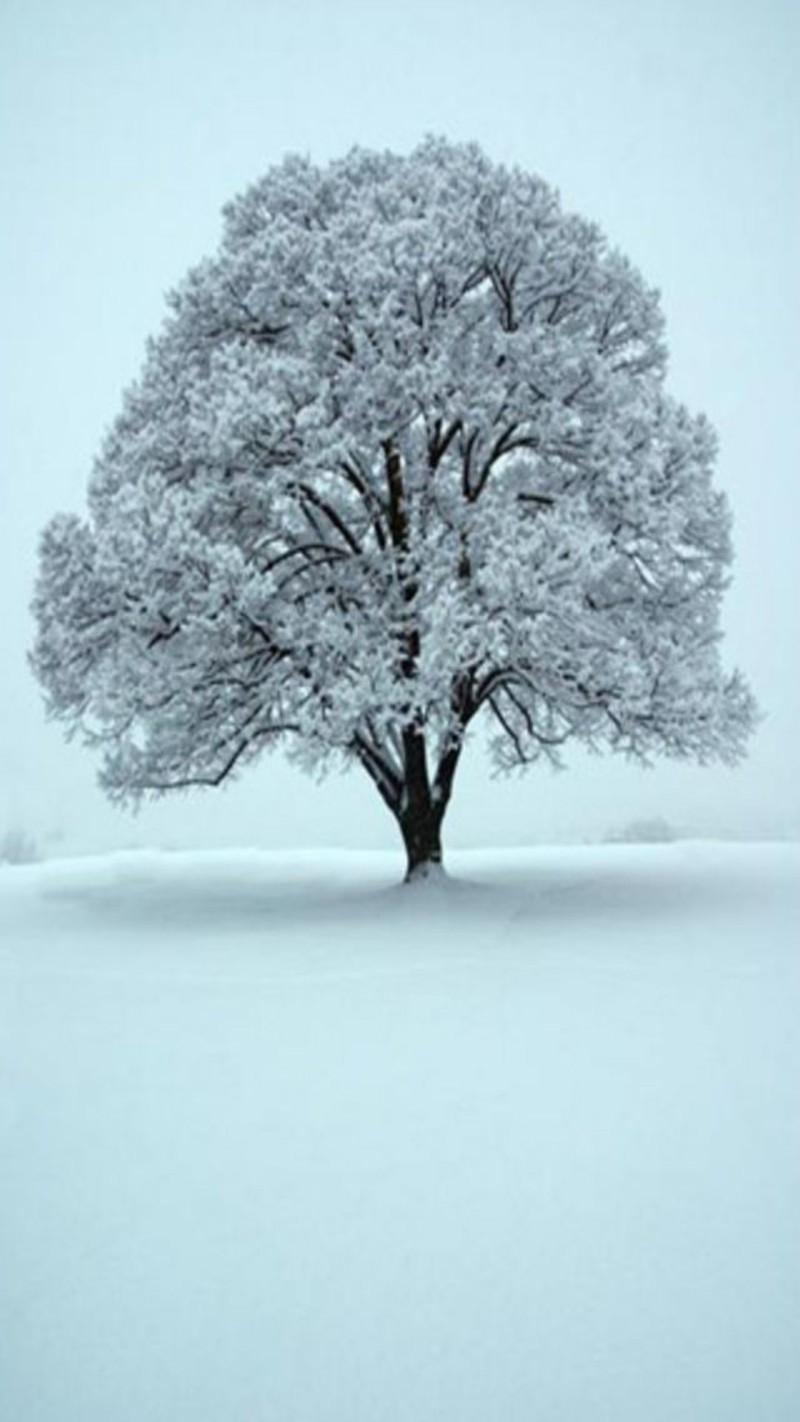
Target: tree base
[[429, 871]]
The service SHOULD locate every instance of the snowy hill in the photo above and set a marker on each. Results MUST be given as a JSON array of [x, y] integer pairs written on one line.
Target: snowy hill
[[283, 1140]]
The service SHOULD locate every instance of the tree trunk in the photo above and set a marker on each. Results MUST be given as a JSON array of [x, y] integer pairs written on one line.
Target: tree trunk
[[421, 828], [417, 802]]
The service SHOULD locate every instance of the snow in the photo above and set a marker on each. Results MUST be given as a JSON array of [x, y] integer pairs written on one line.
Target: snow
[[283, 1140]]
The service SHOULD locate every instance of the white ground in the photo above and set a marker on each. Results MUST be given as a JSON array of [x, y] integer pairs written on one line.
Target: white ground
[[284, 1143]]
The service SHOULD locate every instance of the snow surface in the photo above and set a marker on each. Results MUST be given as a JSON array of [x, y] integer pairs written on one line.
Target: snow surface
[[282, 1140]]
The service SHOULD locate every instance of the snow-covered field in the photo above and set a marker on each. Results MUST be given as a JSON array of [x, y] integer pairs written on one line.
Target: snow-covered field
[[282, 1142]]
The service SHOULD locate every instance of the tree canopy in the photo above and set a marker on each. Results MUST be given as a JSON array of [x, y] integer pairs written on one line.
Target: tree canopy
[[400, 456]]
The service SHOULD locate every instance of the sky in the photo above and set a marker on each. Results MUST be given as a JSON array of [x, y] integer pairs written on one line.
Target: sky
[[124, 130]]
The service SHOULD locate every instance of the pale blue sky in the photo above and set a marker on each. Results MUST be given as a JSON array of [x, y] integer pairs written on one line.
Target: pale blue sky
[[124, 130]]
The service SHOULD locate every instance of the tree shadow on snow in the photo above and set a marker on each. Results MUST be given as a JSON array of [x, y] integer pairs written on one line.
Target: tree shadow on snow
[[260, 893]]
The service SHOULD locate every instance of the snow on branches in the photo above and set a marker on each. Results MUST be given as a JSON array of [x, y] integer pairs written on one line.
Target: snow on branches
[[400, 455]]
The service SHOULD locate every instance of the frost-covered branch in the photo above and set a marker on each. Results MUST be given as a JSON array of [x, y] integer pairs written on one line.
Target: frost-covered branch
[[401, 456]]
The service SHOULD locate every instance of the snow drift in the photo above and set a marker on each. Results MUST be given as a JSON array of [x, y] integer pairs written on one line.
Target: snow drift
[[281, 1140]]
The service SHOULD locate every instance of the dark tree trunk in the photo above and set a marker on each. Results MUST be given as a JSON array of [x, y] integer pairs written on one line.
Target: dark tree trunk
[[421, 829], [420, 811], [417, 801]]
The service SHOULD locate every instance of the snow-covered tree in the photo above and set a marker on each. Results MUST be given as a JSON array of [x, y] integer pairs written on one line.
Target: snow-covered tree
[[400, 456]]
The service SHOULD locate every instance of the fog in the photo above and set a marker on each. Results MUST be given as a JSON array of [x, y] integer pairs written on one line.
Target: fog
[[675, 127]]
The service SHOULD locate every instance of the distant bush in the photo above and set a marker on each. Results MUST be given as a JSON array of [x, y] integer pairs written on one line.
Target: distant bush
[[17, 847], [647, 831]]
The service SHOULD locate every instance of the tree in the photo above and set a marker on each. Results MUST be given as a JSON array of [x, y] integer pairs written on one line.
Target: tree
[[400, 456]]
